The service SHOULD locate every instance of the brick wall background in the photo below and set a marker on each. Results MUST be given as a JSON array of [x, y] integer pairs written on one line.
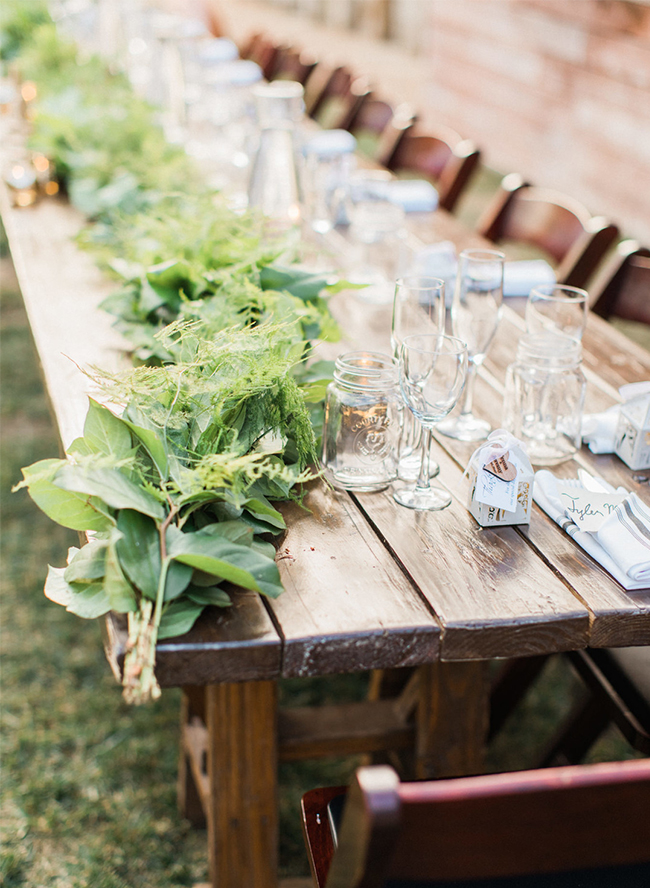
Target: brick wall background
[[557, 90]]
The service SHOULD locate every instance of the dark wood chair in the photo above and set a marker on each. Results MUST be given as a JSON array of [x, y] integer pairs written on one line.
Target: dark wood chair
[[557, 828], [379, 128], [294, 64], [622, 288], [617, 682], [556, 224], [264, 51], [339, 101], [441, 155]]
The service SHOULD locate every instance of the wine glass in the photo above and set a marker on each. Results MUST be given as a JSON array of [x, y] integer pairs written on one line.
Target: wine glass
[[558, 309], [475, 313], [432, 373], [418, 307]]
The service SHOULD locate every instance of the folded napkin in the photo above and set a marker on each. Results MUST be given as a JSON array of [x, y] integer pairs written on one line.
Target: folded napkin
[[621, 546], [599, 429], [412, 195], [520, 277]]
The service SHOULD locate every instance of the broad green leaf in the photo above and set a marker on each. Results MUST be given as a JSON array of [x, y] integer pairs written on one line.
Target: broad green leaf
[[302, 284], [178, 617], [213, 595], [264, 548], [139, 554], [112, 486], [235, 531], [261, 508], [89, 600], [77, 511], [138, 551], [120, 592], [56, 588], [88, 564], [105, 432], [154, 444], [240, 565]]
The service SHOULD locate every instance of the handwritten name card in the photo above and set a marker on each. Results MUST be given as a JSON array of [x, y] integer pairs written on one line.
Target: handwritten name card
[[587, 508]]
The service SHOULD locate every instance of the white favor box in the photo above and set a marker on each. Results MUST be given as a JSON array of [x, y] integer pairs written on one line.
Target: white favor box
[[489, 516], [632, 441]]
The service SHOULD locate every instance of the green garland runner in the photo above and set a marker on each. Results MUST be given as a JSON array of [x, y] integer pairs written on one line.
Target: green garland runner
[[175, 489]]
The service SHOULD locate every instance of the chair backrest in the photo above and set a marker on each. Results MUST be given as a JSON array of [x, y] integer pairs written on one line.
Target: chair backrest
[[622, 287], [441, 155], [553, 222], [582, 825], [379, 128], [264, 51], [294, 64]]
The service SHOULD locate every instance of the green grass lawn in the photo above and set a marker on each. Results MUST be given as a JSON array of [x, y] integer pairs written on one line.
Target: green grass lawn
[[88, 784]]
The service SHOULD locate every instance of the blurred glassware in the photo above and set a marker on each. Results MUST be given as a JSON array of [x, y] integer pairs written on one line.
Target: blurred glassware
[[273, 187], [475, 314], [559, 309], [432, 373], [361, 426], [328, 160], [20, 177], [378, 233], [418, 307], [222, 130], [544, 397]]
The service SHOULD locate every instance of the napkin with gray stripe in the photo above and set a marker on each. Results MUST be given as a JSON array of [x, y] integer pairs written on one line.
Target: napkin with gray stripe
[[621, 545]]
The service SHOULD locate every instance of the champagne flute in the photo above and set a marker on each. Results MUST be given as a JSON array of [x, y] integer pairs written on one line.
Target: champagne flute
[[432, 373], [475, 313], [418, 307], [558, 309]]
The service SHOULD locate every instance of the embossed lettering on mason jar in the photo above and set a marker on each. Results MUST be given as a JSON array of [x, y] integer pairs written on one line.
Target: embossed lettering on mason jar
[[361, 427]]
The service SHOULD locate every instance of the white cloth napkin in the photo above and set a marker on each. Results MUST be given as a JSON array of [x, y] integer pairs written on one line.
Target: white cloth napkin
[[520, 277], [440, 260], [599, 429], [621, 546], [412, 195]]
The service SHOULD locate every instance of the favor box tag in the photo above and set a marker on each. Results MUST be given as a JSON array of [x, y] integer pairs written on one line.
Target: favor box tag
[[632, 442], [501, 492]]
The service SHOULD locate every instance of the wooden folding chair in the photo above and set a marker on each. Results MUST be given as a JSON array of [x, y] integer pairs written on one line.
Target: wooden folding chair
[[440, 155], [622, 288], [557, 828], [294, 64], [559, 226], [341, 100], [379, 128], [264, 51], [617, 682]]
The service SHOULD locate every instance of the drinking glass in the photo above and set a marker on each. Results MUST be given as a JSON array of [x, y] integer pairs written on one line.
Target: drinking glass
[[432, 373], [556, 308], [475, 313], [418, 307]]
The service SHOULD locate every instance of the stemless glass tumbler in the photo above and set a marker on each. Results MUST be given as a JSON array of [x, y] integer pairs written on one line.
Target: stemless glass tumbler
[[559, 309], [475, 313], [432, 373]]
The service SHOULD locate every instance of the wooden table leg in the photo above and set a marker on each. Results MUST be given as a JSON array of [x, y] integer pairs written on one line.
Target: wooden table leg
[[241, 720], [189, 797], [452, 718]]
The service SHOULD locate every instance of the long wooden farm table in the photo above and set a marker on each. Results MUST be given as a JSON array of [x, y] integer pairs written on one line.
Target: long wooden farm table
[[368, 584]]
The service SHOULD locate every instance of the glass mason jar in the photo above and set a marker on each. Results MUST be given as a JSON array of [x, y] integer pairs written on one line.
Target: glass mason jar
[[361, 428], [544, 397]]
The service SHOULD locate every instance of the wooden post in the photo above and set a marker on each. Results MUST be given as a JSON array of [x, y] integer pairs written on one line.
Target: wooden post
[[452, 719], [242, 814], [189, 798]]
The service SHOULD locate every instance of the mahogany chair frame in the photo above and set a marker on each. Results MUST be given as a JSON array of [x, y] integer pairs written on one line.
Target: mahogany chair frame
[[441, 155], [294, 64], [499, 826], [622, 287], [554, 222]]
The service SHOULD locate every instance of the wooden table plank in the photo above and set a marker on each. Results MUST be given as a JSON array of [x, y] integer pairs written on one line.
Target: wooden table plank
[[346, 605], [493, 595], [62, 288]]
